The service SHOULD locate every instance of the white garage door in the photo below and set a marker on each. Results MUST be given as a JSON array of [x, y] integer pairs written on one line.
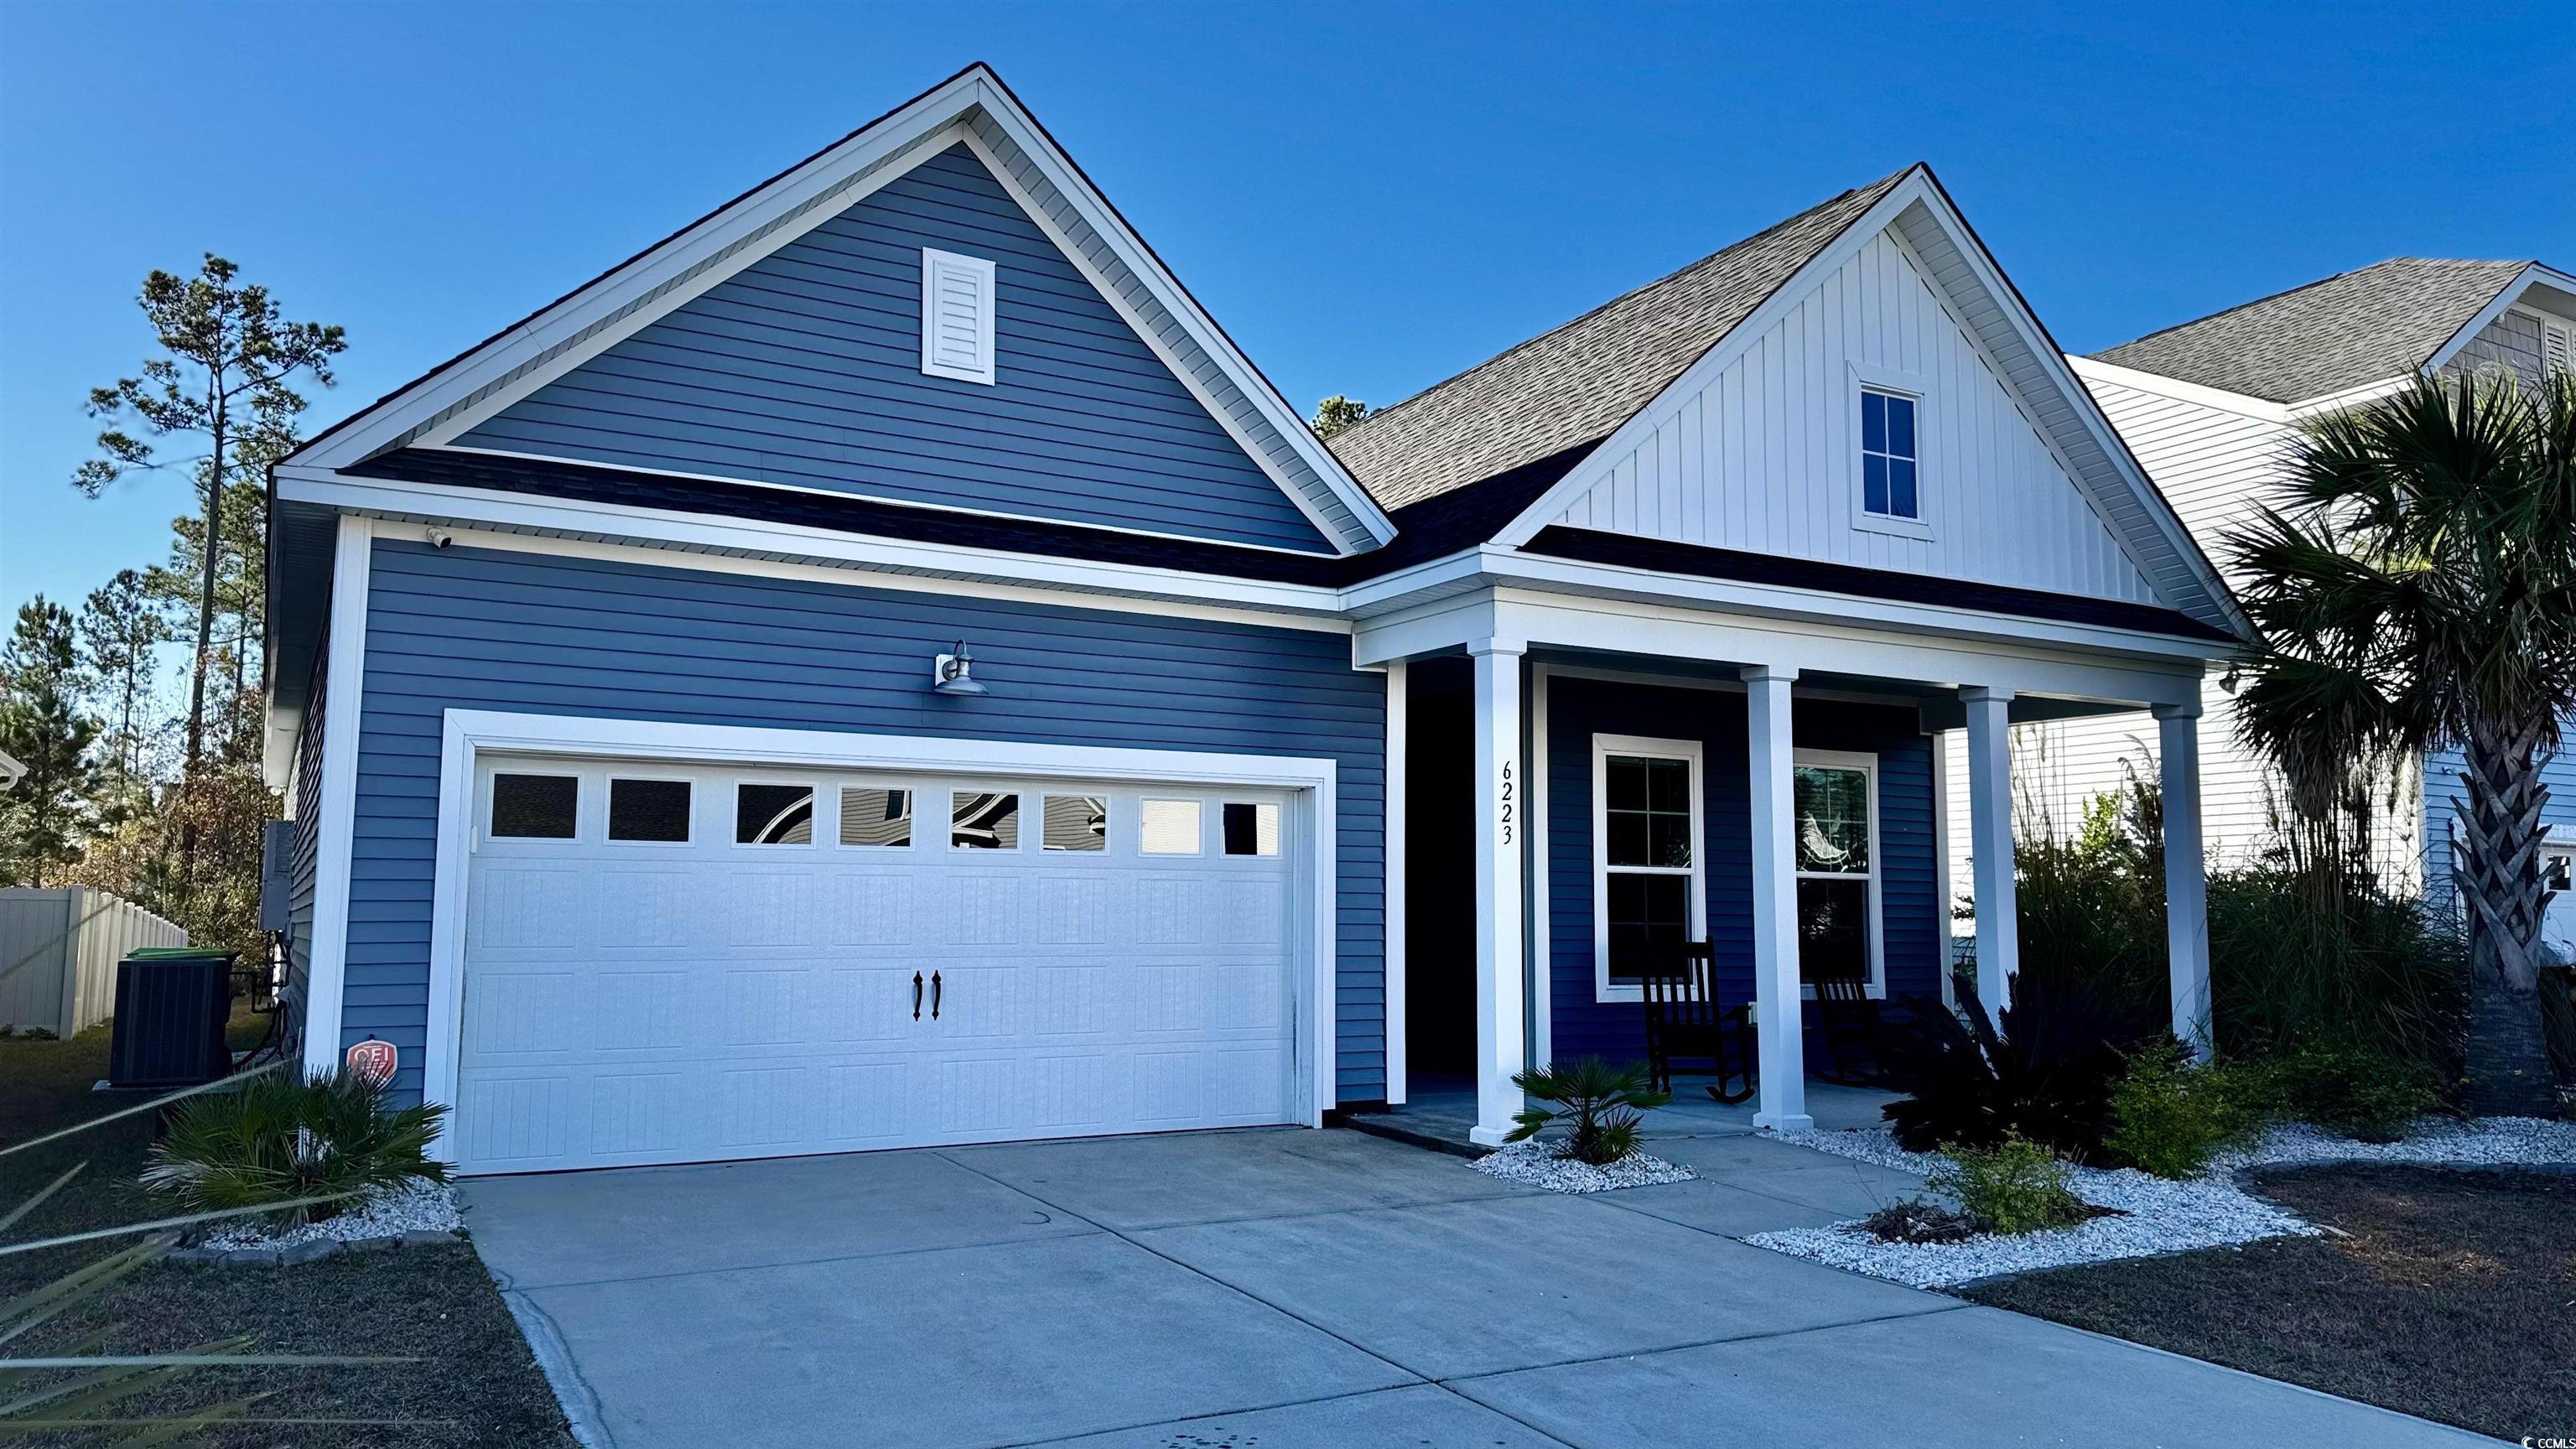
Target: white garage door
[[689, 964]]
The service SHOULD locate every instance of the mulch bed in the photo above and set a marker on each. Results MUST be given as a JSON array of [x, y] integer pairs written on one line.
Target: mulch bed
[[474, 1383], [2452, 1295]]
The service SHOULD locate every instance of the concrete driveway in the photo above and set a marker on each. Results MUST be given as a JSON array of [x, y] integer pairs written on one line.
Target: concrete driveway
[[1296, 1290]]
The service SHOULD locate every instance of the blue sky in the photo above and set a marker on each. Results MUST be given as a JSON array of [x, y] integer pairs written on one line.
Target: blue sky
[[1368, 197]]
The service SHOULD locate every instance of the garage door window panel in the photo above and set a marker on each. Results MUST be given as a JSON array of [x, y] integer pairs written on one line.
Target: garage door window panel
[[648, 811], [1076, 823], [1168, 827], [1251, 828], [535, 807], [877, 816], [767, 814], [984, 820]]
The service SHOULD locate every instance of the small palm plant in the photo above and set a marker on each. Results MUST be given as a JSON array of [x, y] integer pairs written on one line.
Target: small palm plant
[[284, 1139], [1599, 1103]]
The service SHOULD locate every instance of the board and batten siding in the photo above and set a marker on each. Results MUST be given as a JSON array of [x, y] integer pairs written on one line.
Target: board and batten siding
[[805, 369], [472, 628], [1913, 941], [1766, 457]]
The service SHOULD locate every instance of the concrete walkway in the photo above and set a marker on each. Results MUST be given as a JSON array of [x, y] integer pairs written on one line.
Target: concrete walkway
[[1298, 1290]]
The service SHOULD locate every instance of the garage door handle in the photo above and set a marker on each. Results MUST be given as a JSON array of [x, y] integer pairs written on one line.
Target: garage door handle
[[934, 996], [916, 996]]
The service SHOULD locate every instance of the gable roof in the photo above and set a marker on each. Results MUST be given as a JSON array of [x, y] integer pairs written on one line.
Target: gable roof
[[1576, 384], [2347, 331], [974, 107]]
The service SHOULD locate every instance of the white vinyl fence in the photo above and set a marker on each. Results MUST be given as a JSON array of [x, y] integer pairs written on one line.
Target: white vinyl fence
[[59, 949]]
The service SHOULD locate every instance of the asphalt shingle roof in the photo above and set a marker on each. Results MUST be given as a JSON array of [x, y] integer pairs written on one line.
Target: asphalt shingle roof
[[2350, 330], [1575, 385]]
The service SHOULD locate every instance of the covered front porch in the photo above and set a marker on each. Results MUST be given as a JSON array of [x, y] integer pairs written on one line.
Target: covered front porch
[[1577, 785]]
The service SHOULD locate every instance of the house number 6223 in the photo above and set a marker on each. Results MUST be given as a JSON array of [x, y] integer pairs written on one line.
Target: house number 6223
[[1504, 815]]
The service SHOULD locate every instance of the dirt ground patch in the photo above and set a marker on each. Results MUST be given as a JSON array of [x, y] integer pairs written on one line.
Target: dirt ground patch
[[474, 1382], [2450, 1295]]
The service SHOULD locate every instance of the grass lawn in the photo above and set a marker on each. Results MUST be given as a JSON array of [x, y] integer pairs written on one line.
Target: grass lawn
[[474, 1377], [2451, 1295]]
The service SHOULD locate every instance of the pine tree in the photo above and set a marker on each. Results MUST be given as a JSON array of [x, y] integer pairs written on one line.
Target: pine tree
[[49, 813]]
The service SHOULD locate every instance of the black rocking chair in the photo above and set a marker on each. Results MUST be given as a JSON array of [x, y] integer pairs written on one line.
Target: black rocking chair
[[1685, 1020], [1847, 1021]]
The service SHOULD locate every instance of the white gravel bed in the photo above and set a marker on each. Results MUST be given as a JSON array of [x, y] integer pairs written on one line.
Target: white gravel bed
[[2158, 1216], [1537, 1164], [420, 1207]]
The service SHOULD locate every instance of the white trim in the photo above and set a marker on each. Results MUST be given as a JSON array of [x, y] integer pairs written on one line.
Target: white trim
[[1696, 873], [469, 734], [1399, 725], [490, 377], [1004, 111], [1864, 377], [1889, 214], [532, 524], [813, 490], [1541, 949], [344, 694], [2505, 297], [2092, 370], [1942, 885], [1867, 764], [1499, 828], [936, 268]]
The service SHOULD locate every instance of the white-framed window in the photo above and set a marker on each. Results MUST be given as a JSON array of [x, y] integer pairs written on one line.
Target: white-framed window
[[1834, 806], [1649, 890], [957, 316], [1890, 487]]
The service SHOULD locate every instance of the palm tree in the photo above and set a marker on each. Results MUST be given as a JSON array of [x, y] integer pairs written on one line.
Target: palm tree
[[2418, 591]]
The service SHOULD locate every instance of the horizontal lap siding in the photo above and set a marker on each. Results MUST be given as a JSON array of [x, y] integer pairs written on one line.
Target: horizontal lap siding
[[805, 369], [479, 629], [1913, 930], [306, 861], [2445, 791]]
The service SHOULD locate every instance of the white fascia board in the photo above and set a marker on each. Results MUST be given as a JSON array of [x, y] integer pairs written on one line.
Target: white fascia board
[[1642, 424], [1005, 112], [847, 496], [447, 404], [1648, 588], [804, 193], [2261, 409], [2506, 296], [701, 539], [2097, 425]]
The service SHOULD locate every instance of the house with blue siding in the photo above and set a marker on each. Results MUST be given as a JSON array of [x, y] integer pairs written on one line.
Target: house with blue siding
[[880, 668]]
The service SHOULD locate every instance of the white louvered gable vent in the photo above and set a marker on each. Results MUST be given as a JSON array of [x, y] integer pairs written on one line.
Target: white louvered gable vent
[[956, 316], [2557, 345]]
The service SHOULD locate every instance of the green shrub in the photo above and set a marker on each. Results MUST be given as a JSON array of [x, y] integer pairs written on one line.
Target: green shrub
[[2014, 1187], [2353, 1090], [278, 1138], [2046, 1075], [1601, 1106], [2317, 955], [2170, 1117]]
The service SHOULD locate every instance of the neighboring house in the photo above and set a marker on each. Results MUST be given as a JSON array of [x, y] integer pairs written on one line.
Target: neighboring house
[[2210, 408], [646, 802]]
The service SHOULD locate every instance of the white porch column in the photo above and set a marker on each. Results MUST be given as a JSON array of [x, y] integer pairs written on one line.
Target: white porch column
[[2186, 874], [1779, 1018], [1499, 827], [1990, 845]]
